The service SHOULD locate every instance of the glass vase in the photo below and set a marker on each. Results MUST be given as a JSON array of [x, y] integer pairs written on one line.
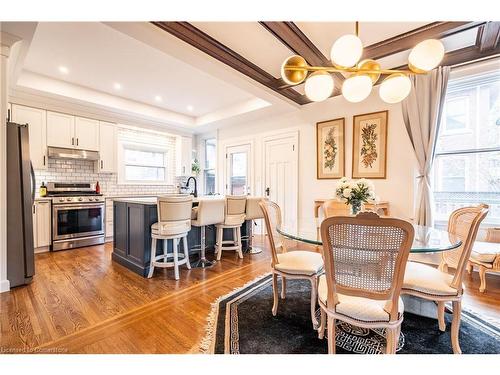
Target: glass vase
[[355, 207]]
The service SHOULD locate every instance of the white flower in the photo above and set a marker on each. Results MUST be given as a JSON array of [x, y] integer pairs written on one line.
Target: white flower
[[347, 193]]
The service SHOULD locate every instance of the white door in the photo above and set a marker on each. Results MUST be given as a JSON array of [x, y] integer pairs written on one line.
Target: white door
[[60, 130], [107, 147], [281, 176], [238, 167], [86, 134], [37, 125]]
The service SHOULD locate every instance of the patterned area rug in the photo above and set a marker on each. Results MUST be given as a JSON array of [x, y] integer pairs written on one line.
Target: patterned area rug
[[241, 323]]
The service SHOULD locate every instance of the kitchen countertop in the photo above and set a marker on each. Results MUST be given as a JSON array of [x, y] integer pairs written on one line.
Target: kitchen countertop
[[42, 199], [152, 199]]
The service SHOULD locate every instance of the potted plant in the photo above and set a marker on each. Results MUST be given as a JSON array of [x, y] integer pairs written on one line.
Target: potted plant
[[355, 192], [195, 167]]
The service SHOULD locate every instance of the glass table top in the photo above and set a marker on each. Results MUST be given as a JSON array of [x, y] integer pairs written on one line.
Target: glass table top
[[427, 239]]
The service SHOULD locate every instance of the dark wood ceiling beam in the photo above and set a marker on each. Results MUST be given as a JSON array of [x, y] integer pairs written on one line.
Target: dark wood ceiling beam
[[488, 36], [292, 37], [212, 47], [405, 41]]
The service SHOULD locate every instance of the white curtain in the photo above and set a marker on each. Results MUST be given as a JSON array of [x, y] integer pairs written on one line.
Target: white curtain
[[422, 116]]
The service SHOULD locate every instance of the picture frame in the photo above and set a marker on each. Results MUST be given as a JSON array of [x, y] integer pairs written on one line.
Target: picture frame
[[330, 149], [369, 145]]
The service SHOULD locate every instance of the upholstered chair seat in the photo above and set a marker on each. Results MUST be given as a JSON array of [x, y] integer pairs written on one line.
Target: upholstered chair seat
[[359, 308], [300, 262], [429, 280], [485, 256], [237, 219], [171, 228]]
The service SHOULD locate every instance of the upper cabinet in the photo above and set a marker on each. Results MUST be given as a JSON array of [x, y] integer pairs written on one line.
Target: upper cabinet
[[72, 132], [107, 139], [37, 127], [60, 130], [87, 134], [184, 149]]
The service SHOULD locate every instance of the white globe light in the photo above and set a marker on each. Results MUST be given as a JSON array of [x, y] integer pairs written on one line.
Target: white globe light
[[319, 86], [426, 55], [395, 88], [357, 88], [346, 51]]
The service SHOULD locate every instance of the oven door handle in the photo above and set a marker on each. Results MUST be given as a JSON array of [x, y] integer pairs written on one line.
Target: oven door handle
[[77, 206]]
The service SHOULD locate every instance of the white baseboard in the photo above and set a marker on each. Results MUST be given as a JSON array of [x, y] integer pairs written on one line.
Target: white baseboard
[[4, 286]]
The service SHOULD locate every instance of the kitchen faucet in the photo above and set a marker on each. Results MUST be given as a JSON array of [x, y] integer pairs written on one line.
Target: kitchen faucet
[[195, 193]]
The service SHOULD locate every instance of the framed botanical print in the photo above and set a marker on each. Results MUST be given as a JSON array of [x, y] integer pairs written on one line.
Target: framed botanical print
[[369, 145], [330, 145]]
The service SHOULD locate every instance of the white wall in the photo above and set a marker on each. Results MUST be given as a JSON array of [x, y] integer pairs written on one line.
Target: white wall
[[398, 187]]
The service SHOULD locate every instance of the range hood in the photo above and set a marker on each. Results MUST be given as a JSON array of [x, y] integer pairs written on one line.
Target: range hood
[[69, 153]]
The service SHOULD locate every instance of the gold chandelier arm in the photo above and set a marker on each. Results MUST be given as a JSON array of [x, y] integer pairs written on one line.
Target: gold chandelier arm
[[347, 70]]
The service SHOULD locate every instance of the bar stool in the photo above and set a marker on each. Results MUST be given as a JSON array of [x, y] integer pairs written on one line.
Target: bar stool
[[234, 216], [253, 212], [174, 223], [209, 211]]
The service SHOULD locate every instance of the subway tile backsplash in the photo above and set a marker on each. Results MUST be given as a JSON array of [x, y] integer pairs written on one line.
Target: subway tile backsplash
[[67, 170]]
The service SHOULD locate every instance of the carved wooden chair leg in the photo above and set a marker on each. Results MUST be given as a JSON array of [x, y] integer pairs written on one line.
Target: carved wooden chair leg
[[283, 287], [441, 321], [390, 334], [322, 325], [331, 335], [470, 267], [482, 277], [455, 327], [176, 258], [314, 298], [275, 293]]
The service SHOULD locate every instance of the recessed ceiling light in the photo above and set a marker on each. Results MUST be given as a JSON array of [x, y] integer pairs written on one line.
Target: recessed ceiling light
[[117, 86], [63, 70], [158, 98], [190, 107]]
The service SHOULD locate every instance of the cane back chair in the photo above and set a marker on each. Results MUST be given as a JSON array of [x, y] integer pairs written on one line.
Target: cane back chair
[[296, 264], [365, 259]]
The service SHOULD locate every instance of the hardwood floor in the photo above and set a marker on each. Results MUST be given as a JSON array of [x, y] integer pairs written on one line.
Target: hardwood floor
[[82, 302]]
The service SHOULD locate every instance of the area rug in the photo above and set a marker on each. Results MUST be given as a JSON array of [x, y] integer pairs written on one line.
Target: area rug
[[241, 323]]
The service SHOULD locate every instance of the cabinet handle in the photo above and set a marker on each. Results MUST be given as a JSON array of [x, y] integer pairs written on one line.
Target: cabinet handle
[[44, 160], [34, 209], [102, 164], [72, 141], [77, 141]]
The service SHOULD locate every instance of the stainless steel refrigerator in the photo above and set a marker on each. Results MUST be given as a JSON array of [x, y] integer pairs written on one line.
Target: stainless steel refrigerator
[[20, 199]]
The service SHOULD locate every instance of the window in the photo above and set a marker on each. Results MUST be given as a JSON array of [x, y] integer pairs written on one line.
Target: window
[[145, 158], [210, 163], [467, 164], [456, 114]]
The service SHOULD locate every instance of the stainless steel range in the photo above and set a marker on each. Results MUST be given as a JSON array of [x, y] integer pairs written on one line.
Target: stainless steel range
[[77, 215]]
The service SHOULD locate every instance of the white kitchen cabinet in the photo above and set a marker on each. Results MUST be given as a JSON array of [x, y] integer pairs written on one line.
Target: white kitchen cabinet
[[60, 130], [86, 134], [184, 147], [107, 147], [37, 126], [42, 225]]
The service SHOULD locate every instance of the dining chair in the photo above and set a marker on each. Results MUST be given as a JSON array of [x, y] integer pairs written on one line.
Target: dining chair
[[365, 259], [486, 256], [296, 264], [331, 207], [438, 285]]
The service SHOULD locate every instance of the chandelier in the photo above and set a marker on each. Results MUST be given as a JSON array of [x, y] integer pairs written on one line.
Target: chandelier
[[362, 75]]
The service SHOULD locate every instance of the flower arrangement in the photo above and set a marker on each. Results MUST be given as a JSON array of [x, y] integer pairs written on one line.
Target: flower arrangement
[[355, 193]]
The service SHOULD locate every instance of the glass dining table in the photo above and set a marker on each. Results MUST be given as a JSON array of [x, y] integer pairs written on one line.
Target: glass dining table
[[427, 239]]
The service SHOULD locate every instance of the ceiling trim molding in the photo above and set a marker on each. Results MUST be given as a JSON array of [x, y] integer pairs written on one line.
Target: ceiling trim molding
[[488, 36], [212, 47], [292, 37], [406, 41]]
